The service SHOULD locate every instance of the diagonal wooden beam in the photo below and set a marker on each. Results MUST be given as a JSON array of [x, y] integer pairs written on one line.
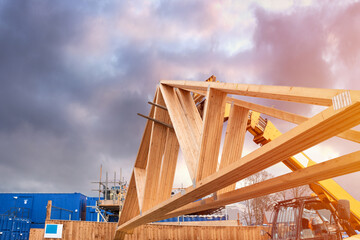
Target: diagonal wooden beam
[[316, 96], [322, 126], [234, 139], [156, 151], [189, 144], [192, 114], [211, 133], [168, 167], [140, 176], [131, 206], [141, 158], [332, 168]]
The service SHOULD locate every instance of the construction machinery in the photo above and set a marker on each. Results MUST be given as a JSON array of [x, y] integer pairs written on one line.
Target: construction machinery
[[308, 218], [330, 198], [328, 192]]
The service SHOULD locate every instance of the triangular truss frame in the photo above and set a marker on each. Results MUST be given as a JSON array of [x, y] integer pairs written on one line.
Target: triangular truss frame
[[175, 123]]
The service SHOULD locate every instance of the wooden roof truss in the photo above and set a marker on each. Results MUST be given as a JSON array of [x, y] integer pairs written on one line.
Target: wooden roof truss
[[175, 123]]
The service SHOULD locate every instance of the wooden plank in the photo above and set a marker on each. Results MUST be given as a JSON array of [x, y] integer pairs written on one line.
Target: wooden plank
[[141, 158], [156, 151], [351, 135], [140, 175], [131, 205], [48, 210], [36, 234], [168, 166], [332, 168], [319, 128], [316, 96], [273, 112], [184, 132], [211, 133], [192, 114], [234, 139]]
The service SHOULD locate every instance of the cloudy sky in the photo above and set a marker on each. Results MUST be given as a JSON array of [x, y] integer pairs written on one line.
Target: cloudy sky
[[75, 73]]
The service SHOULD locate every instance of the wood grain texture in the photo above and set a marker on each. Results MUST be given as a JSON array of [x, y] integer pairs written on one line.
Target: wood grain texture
[[184, 132], [140, 177], [192, 114], [351, 135], [141, 158], [81, 230], [336, 167], [234, 139], [199, 141], [310, 133], [317, 96], [168, 167], [211, 133], [131, 205], [156, 151]]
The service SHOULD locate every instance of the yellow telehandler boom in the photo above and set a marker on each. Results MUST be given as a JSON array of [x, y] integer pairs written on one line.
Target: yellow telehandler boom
[[328, 190]]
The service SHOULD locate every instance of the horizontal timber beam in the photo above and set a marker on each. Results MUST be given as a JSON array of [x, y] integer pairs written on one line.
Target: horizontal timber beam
[[332, 168], [323, 126], [315, 96], [351, 135]]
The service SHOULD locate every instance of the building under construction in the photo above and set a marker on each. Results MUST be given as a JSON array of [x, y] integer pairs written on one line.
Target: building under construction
[[189, 116]]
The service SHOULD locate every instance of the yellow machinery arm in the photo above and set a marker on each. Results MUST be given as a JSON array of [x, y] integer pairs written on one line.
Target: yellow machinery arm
[[328, 190]]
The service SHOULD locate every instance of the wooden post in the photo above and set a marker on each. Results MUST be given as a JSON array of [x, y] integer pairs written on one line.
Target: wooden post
[[48, 210]]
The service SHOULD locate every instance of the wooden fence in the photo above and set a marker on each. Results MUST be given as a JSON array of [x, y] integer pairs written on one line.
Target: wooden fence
[[81, 230]]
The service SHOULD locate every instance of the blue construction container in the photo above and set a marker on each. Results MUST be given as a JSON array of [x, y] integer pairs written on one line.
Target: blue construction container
[[32, 206], [14, 228]]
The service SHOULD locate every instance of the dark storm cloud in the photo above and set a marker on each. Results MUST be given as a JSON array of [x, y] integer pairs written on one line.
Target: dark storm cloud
[[75, 73], [42, 147], [34, 80]]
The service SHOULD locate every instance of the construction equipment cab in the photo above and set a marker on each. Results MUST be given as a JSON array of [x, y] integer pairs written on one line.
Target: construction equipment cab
[[309, 218]]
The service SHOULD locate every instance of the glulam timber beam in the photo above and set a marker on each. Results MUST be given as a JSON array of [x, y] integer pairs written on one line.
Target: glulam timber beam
[[234, 139], [156, 151], [211, 133], [168, 167], [332, 168], [141, 158], [317, 96], [351, 135], [139, 177], [322, 126], [131, 206], [192, 114], [184, 129]]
